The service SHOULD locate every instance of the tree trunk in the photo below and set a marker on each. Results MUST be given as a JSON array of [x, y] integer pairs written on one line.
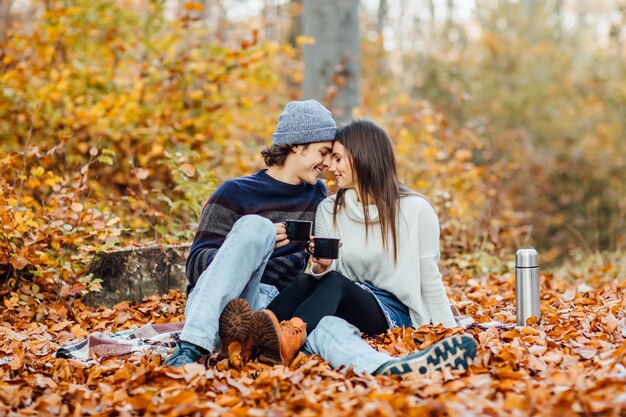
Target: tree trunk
[[381, 17], [382, 63], [332, 64], [131, 274], [449, 19], [295, 21], [5, 18], [433, 18], [269, 21], [529, 6]]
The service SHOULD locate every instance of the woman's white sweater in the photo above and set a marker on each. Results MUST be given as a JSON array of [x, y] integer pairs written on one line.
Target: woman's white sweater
[[415, 278]]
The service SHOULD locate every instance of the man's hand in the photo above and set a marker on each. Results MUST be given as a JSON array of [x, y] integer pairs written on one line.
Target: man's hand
[[281, 236]]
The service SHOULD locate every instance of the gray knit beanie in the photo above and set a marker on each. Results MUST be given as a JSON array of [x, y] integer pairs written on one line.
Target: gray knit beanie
[[304, 122]]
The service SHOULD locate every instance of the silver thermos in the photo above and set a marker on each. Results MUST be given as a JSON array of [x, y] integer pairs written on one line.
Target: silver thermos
[[527, 285]]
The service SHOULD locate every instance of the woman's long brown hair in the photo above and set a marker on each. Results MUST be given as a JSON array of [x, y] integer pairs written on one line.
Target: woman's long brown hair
[[374, 168]]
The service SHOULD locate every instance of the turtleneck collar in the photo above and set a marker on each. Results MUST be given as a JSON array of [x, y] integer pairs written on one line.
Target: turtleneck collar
[[354, 208]]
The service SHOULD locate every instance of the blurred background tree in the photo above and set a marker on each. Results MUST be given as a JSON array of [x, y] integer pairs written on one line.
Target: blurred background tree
[[332, 58], [543, 83], [119, 117]]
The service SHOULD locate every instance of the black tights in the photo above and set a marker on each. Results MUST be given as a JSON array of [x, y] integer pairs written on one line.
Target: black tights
[[333, 295]]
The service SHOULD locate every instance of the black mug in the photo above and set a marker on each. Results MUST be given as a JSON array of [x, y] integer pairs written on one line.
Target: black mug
[[298, 230], [325, 248]]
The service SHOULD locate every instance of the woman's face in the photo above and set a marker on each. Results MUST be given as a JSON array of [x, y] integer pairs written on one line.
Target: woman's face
[[341, 167]]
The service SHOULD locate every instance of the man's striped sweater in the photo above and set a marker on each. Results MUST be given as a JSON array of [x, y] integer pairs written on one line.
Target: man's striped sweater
[[265, 196]]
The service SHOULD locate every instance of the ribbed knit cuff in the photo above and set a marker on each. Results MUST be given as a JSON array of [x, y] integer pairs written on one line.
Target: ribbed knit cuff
[[320, 275]]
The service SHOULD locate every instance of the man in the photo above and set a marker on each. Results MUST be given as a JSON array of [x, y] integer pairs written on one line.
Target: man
[[240, 248]]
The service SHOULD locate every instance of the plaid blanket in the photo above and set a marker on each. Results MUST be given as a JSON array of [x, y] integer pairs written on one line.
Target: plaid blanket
[[99, 345]]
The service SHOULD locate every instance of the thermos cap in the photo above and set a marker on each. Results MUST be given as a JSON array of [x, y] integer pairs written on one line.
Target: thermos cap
[[526, 258]]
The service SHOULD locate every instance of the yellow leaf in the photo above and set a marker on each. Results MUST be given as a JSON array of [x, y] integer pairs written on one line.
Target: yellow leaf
[[33, 183], [305, 40], [105, 159], [194, 6], [196, 95], [37, 172], [22, 229], [52, 181]]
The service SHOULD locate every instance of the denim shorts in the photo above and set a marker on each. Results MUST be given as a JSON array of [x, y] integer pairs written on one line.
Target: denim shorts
[[267, 293], [396, 313]]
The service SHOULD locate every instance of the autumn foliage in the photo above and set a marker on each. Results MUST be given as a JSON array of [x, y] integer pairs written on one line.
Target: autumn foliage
[[571, 364], [117, 133], [116, 124], [543, 83]]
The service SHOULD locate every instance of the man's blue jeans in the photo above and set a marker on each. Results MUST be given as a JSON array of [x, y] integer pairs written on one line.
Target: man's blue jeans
[[340, 344], [236, 271]]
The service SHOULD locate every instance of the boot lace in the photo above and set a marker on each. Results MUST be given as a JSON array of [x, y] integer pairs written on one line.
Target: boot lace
[[291, 328]]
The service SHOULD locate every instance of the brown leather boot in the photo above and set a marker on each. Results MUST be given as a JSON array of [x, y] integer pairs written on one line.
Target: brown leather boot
[[276, 343], [234, 326]]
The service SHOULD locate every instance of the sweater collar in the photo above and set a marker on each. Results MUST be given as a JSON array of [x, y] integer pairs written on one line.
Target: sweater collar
[[354, 208], [279, 185]]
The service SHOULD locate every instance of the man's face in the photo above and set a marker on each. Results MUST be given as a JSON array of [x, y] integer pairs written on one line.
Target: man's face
[[311, 160]]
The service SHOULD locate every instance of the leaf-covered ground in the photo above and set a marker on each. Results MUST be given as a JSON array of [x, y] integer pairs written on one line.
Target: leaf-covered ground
[[573, 363]]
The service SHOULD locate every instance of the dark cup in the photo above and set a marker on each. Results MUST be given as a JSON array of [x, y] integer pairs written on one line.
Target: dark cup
[[298, 230], [325, 248]]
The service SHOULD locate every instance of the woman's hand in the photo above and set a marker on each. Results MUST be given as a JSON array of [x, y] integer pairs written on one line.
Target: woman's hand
[[319, 265]]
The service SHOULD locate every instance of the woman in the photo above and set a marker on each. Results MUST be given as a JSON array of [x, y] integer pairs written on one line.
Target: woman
[[386, 274]]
